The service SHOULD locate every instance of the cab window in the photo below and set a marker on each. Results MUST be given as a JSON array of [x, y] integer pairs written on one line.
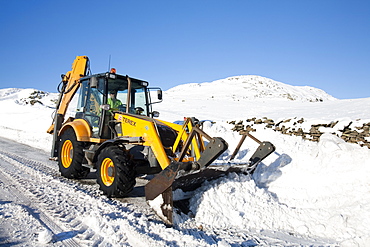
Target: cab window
[[117, 97]]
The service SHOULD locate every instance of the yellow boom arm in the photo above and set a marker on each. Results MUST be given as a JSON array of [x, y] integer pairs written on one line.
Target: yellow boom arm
[[71, 83], [72, 79]]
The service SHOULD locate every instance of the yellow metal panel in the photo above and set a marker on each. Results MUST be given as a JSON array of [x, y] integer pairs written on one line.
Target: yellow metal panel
[[97, 140], [176, 127], [139, 126], [81, 128]]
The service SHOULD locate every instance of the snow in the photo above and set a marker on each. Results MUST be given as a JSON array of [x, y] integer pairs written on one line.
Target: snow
[[305, 193], [45, 236]]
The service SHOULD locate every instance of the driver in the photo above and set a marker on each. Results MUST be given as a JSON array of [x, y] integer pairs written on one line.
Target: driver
[[113, 102]]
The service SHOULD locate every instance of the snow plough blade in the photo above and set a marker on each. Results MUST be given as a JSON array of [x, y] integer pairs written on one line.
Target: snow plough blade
[[188, 176]]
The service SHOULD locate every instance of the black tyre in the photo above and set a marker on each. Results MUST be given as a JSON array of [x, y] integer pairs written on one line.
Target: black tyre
[[116, 173], [71, 156]]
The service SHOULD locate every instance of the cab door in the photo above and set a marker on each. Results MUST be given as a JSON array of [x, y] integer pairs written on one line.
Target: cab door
[[89, 102]]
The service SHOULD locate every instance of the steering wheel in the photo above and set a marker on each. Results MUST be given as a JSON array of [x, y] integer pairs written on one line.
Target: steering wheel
[[138, 110]]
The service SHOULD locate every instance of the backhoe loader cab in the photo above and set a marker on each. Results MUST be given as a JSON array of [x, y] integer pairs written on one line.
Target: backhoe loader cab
[[102, 95]]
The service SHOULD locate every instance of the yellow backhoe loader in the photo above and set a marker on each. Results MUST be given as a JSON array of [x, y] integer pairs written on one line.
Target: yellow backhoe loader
[[114, 132]]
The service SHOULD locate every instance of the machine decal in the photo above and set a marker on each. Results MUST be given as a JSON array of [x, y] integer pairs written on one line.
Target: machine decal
[[126, 120]]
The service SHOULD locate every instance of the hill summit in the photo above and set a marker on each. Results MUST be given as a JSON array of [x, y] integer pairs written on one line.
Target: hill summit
[[249, 87]]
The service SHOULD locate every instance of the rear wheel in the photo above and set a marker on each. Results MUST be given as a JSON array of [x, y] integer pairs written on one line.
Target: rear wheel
[[71, 156], [116, 173]]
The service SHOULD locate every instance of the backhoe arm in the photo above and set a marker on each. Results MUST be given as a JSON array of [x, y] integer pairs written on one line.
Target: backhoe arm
[[70, 85]]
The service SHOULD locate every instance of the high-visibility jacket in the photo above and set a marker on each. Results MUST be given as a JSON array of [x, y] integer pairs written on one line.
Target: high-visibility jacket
[[114, 104]]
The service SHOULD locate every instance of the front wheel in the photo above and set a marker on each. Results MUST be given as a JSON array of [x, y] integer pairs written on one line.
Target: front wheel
[[116, 174]]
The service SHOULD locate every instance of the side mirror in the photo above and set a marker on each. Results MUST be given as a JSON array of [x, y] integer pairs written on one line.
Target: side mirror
[[94, 82], [155, 95], [159, 94], [155, 114]]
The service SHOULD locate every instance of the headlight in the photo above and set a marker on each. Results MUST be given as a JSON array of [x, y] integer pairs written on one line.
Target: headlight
[[111, 76]]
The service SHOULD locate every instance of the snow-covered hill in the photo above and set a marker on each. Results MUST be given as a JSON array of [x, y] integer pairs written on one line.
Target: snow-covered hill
[[255, 96], [28, 96], [248, 87], [305, 193]]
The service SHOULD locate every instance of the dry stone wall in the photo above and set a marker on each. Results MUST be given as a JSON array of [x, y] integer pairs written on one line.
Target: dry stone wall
[[353, 132]]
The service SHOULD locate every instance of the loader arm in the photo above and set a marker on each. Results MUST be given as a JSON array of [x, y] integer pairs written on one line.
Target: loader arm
[[70, 85]]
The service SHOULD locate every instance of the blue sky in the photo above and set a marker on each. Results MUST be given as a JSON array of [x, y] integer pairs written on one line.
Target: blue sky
[[319, 43]]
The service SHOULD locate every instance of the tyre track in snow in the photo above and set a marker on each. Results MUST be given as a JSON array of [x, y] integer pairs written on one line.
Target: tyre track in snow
[[26, 195], [33, 182], [44, 220], [41, 182]]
